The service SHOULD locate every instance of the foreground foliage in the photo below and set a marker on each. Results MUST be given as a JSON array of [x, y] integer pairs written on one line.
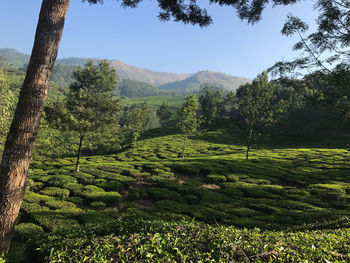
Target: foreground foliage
[[189, 241]]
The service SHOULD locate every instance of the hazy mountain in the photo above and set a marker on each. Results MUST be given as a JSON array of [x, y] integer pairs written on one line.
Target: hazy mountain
[[154, 78], [13, 57], [179, 83], [76, 61], [193, 82]]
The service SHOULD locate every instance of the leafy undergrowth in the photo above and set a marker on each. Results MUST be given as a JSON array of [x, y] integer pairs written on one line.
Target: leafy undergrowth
[[277, 189], [189, 241]]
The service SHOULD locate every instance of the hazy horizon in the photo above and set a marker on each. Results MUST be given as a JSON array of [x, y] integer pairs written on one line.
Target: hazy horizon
[[136, 37]]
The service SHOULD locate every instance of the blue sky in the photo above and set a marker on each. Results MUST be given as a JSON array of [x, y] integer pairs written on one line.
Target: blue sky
[[137, 37]]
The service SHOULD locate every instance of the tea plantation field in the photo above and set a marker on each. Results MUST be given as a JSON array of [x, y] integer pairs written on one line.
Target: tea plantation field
[[283, 205], [154, 102]]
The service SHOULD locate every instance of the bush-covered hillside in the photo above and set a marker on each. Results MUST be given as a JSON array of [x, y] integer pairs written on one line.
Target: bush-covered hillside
[[132, 207]]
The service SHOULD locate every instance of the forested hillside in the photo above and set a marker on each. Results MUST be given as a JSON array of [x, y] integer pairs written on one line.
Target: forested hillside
[[139, 77], [194, 82]]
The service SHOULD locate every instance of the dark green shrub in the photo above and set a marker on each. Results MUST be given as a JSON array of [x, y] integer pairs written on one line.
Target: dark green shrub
[[92, 189], [56, 204], [232, 177], [328, 191], [188, 170], [192, 199], [213, 197], [164, 194], [136, 193], [65, 161], [75, 188], [98, 204], [32, 207], [174, 206], [207, 214], [56, 192], [112, 212], [75, 199], [100, 182], [29, 231], [231, 190], [113, 186], [61, 180], [84, 178], [95, 218], [36, 198], [70, 212], [52, 220], [110, 198], [216, 178]]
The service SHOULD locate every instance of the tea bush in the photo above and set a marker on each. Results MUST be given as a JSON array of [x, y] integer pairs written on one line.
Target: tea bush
[[56, 192], [161, 241]]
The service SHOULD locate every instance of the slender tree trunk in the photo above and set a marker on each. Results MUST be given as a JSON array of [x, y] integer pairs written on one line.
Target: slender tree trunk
[[249, 143], [184, 147], [77, 165], [134, 145], [25, 123]]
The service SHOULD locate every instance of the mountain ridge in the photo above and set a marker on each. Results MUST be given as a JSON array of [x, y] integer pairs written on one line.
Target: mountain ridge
[[178, 83]]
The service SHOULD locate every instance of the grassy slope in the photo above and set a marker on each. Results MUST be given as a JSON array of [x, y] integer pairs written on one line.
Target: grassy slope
[[154, 102], [275, 189]]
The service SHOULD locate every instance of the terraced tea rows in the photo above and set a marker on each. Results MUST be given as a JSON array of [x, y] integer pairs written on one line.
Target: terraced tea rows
[[276, 187]]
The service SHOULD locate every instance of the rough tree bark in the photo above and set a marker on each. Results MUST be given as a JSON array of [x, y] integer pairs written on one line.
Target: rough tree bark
[[77, 166], [25, 124]]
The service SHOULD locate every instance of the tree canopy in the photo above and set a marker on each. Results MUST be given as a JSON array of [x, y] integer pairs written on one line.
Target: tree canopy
[[187, 121], [90, 105]]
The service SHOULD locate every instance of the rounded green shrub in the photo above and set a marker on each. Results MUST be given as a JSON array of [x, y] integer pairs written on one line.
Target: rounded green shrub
[[53, 220], [32, 207], [92, 189], [56, 192], [75, 188], [84, 178], [164, 194], [113, 186], [61, 180], [94, 217], [36, 198], [29, 231], [97, 204], [56, 204], [216, 178], [110, 198], [232, 177], [75, 199]]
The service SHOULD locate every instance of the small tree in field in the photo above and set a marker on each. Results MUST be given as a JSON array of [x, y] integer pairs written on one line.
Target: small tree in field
[[163, 113], [210, 106], [136, 123], [257, 105], [187, 121], [90, 106]]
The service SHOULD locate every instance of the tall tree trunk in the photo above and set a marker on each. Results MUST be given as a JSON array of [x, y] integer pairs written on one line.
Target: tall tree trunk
[[134, 145], [184, 147], [249, 143], [79, 154], [25, 124]]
